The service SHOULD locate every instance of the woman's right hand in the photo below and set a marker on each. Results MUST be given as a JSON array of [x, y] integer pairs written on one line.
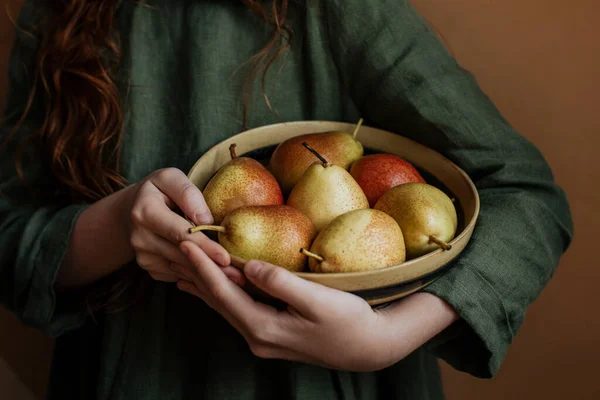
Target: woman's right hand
[[156, 229]]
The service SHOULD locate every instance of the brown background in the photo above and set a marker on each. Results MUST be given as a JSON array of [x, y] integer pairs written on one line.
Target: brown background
[[539, 60]]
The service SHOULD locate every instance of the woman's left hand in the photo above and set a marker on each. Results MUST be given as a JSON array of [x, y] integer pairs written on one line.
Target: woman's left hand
[[321, 326]]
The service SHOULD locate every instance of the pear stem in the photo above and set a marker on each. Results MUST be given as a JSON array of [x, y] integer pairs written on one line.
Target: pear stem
[[320, 157], [440, 243], [357, 128], [232, 151], [199, 228], [237, 262], [312, 255]]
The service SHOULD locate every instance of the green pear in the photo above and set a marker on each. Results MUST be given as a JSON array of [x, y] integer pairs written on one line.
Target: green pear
[[426, 215], [326, 191], [289, 161], [268, 233], [242, 181], [359, 240]]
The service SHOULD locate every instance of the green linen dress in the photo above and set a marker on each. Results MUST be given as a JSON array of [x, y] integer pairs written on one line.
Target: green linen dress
[[375, 59]]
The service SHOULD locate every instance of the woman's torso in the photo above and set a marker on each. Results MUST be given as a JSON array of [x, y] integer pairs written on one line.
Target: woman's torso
[[181, 83]]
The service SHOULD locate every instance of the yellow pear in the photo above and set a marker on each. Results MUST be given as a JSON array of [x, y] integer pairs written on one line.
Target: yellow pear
[[271, 233], [326, 191], [359, 240], [426, 215]]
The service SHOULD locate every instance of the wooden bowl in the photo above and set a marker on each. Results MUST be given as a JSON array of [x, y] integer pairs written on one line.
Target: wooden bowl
[[383, 285]]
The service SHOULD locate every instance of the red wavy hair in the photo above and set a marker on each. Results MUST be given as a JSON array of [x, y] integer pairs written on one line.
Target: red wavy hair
[[82, 130], [77, 60]]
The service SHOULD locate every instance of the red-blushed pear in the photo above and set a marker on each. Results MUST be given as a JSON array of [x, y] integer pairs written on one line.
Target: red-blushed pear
[[268, 233], [426, 215], [242, 181], [378, 173], [359, 240], [290, 160]]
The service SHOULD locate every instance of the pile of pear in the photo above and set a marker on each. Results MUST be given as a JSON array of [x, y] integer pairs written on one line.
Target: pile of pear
[[321, 205]]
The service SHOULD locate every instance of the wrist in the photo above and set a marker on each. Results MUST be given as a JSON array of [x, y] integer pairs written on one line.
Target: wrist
[[409, 323], [100, 241], [123, 205]]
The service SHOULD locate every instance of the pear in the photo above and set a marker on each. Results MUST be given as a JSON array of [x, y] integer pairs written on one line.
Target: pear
[[242, 181], [378, 173], [268, 233], [289, 161], [426, 215], [359, 240], [326, 191]]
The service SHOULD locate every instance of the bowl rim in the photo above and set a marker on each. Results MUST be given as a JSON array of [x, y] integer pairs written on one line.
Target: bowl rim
[[467, 230]]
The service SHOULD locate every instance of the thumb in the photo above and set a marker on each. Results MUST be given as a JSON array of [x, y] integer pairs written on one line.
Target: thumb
[[305, 296]]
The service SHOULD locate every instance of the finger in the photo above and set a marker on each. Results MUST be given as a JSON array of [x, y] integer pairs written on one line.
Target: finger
[[160, 246], [281, 353], [235, 275], [156, 216], [156, 266], [189, 274], [295, 348], [177, 186], [152, 262], [190, 288], [231, 298], [148, 242], [269, 352], [212, 249], [170, 278], [306, 297], [183, 271]]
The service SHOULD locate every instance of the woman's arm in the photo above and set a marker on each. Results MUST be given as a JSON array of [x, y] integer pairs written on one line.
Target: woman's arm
[[403, 80], [414, 321], [100, 242]]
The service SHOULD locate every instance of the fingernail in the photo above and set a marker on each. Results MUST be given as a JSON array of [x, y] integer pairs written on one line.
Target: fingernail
[[203, 217], [252, 269], [224, 261]]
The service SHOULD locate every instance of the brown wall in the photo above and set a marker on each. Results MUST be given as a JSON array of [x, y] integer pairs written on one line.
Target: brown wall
[[539, 60]]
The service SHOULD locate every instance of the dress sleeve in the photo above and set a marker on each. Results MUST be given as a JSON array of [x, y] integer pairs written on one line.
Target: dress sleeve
[[402, 79], [34, 231]]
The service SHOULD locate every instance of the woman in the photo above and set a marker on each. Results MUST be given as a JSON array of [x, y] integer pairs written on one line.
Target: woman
[[111, 102]]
